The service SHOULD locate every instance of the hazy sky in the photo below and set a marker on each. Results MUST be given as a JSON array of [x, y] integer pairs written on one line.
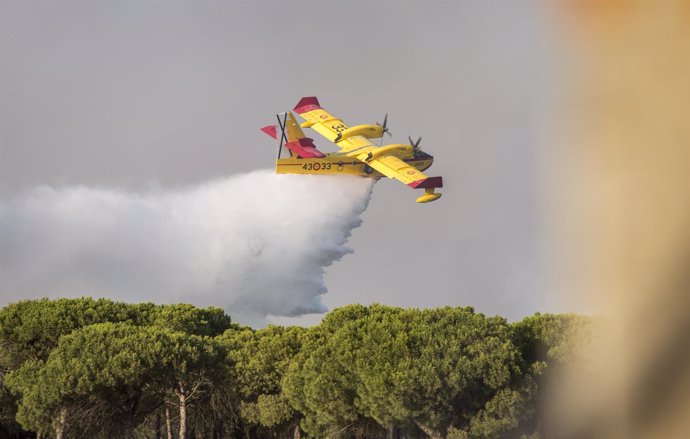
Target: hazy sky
[[137, 94]]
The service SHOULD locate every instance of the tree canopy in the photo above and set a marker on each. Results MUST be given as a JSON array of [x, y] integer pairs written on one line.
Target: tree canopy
[[73, 368]]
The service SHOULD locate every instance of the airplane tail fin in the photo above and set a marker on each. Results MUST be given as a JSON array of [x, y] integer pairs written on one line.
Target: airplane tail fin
[[287, 130], [291, 130], [288, 133]]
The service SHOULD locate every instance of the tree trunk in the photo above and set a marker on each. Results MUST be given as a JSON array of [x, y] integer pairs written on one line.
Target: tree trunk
[[433, 434], [217, 429], [183, 413], [61, 423], [168, 423], [298, 432]]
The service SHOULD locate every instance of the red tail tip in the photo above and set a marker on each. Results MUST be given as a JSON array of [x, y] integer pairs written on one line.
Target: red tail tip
[[270, 130], [306, 104]]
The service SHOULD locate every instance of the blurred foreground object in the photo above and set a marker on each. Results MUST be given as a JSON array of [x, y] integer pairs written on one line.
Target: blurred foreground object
[[625, 214]]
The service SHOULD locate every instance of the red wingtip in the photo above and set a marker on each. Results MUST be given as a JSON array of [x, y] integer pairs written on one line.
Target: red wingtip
[[306, 104], [431, 182], [270, 130]]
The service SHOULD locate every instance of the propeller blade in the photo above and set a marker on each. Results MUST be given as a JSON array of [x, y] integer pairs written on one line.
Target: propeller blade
[[385, 123], [415, 145], [384, 127]]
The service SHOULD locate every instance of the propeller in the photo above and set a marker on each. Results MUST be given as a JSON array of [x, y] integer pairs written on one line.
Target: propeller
[[415, 145], [385, 127]]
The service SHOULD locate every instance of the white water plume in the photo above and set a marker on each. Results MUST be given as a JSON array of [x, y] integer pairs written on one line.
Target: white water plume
[[255, 244]]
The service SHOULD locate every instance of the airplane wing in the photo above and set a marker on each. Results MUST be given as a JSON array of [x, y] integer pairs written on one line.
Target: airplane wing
[[346, 137], [393, 167], [354, 142]]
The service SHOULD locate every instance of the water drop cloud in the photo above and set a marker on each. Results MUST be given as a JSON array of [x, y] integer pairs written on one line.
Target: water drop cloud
[[255, 244]]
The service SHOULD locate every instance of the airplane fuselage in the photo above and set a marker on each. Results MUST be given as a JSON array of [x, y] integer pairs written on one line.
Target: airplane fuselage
[[339, 164]]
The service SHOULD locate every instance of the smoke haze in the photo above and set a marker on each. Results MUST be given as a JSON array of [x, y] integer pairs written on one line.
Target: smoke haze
[[255, 243]]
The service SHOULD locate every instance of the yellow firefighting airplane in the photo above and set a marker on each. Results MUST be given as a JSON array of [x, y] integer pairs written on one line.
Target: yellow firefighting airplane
[[358, 155]]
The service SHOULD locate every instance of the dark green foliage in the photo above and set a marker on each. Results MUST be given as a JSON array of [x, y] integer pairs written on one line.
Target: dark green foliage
[[260, 359], [432, 369], [549, 343], [110, 377], [32, 328], [29, 330], [98, 368], [320, 386], [191, 320], [556, 338]]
